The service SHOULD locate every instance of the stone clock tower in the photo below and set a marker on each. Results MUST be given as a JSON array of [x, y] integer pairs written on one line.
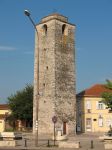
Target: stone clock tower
[[54, 75]]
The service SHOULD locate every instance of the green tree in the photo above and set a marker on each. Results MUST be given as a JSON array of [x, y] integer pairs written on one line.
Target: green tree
[[107, 96], [109, 84], [21, 104]]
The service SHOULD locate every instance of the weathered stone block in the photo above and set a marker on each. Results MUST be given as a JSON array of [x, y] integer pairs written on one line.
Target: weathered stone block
[[71, 144], [108, 145], [10, 135], [8, 143]]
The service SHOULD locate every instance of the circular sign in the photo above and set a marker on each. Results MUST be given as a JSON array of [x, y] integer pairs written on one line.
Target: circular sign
[[54, 119]]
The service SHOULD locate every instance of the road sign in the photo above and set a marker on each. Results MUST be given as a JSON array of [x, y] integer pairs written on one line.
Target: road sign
[[54, 119]]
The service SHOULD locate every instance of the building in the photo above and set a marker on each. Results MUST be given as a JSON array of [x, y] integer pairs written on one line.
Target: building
[[4, 111], [92, 114], [54, 76], [7, 123]]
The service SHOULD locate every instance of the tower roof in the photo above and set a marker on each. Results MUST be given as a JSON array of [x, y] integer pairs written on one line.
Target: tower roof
[[54, 16]]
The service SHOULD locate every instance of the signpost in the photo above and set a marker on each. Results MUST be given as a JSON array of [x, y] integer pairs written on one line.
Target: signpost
[[54, 120]]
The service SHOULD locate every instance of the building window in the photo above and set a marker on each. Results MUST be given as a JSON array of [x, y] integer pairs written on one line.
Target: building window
[[64, 29], [100, 105], [100, 121], [45, 29], [88, 104], [88, 124], [109, 122]]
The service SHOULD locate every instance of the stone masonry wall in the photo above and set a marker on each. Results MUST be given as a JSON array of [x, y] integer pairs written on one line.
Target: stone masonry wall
[[56, 75], [46, 77], [65, 74]]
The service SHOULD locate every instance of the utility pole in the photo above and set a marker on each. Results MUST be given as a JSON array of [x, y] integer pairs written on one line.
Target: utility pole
[[36, 91]]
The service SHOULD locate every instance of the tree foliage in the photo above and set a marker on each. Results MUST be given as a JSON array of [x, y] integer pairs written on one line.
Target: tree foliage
[[108, 84], [21, 103], [107, 99], [107, 96]]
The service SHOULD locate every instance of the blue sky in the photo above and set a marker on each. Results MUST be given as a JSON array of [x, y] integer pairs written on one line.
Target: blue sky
[[93, 19]]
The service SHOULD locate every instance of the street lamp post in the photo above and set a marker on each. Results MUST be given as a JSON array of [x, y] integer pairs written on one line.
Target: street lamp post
[[36, 92]]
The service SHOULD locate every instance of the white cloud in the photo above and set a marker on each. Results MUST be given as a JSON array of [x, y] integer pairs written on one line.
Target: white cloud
[[7, 48]]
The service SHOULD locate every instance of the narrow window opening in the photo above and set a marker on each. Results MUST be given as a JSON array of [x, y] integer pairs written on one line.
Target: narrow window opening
[[63, 29], [47, 67], [45, 29]]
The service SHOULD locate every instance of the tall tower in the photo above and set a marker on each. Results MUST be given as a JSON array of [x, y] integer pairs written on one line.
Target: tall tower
[[55, 47]]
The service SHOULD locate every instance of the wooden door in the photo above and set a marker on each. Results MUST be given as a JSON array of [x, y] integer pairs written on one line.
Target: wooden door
[[64, 127]]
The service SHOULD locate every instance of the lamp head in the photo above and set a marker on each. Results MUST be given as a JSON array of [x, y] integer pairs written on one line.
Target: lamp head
[[27, 13]]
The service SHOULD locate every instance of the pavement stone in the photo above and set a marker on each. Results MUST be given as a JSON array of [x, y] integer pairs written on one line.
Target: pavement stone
[[84, 139]]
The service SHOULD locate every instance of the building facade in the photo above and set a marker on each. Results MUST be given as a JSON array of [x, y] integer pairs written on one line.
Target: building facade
[[9, 124], [4, 111], [92, 114], [54, 75]]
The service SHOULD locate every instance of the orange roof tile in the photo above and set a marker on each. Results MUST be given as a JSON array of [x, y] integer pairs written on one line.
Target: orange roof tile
[[4, 107], [94, 91]]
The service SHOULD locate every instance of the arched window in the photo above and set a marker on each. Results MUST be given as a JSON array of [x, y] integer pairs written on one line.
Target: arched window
[[64, 29], [45, 29]]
